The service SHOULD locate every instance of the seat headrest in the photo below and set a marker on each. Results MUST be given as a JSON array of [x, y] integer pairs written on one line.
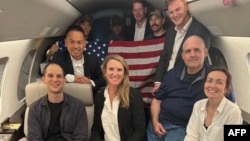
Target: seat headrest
[[83, 92]]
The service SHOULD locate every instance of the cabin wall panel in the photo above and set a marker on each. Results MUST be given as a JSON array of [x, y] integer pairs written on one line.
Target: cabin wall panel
[[236, 51]]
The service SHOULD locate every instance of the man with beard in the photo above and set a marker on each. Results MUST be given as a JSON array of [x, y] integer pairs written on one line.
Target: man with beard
[[157, 22]]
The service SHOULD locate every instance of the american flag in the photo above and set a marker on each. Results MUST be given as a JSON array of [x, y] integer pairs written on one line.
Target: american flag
[[99, 48], [142, 58]]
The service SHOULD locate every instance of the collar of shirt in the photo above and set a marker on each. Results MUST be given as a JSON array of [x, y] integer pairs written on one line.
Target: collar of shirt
[[202, 74], [77, 63], [185, 28], [219, 108], [142, 26], [106, 93]]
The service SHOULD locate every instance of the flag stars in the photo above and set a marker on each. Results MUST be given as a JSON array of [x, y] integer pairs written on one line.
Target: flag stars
[[98, 48]]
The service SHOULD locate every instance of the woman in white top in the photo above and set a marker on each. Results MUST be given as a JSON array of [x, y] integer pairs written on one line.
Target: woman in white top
[[211, 114], [119, 110]]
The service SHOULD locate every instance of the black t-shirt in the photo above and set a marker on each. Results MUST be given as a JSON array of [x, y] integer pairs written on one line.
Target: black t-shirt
[[54, 131]]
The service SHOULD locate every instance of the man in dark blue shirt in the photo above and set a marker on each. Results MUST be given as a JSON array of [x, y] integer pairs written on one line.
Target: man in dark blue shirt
[[180, 89]]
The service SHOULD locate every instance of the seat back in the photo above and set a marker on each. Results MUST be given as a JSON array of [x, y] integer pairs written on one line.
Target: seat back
[[83, 92]]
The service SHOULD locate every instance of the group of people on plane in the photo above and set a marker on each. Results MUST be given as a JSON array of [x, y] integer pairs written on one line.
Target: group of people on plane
[[192, 99]]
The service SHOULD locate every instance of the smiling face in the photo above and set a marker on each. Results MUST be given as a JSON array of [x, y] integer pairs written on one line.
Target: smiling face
[[215, 86], [194, 53], [75, 43], [114, 73], [178, 13], [54, 79]]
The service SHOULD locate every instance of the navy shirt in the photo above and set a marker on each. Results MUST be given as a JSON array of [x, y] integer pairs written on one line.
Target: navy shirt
[[178, 94]]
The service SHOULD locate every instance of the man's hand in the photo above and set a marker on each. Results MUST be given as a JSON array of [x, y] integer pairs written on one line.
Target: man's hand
[[82, 79], [159, 129], [155, 89], [54, 48]]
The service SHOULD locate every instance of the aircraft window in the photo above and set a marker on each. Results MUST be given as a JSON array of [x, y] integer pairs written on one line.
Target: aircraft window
[[216, 57], [3, 62], [24, 75]]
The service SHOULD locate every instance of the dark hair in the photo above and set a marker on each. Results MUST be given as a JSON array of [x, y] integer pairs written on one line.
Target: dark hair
[[140, 1], [52, 63], [115, 20], [84, 18], [226, 72], [74, 28]]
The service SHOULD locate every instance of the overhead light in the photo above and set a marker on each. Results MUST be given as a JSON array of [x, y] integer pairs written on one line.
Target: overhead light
[[1, 11]]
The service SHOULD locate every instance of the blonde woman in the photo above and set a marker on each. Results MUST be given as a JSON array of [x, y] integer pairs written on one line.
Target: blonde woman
[[119, 110]]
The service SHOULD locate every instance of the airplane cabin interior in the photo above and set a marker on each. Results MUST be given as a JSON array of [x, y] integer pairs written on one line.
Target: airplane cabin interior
[[29, 27]]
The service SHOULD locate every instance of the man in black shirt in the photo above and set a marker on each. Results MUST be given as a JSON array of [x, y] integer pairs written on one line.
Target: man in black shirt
[[157, 22], [57, 116]]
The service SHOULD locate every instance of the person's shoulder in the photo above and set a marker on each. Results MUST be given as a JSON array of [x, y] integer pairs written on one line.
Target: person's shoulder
[[176, 70], [100, 93], [39, 102], [208, 66], [73, 100], [60, 54], [170, 28], [149, 37], [198, 25], [200, 103], [195, 21], [90, 56], [232, 104]]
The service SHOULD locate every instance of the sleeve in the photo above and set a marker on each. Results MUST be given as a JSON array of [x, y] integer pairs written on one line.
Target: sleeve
[[192, 131], [59, 58], [162, 65], [161, 93], [138, 117], [34, 125], [96, 134], [96, 75], [80, 132]]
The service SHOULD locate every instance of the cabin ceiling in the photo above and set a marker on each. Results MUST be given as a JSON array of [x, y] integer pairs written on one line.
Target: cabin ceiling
[[28, 19], [98, 6], [83, 5]]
